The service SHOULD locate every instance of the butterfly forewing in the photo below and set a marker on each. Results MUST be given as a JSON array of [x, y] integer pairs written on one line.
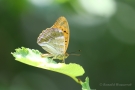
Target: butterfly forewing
[[62, 24]]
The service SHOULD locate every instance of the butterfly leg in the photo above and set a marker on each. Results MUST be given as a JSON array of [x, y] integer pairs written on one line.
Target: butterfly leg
[[47, 56], [63, 61]]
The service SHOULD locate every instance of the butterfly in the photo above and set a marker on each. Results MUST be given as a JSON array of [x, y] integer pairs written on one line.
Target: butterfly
[[55, 40]]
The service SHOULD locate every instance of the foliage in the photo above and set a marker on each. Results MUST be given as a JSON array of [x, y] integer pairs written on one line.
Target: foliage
[[34, 58]]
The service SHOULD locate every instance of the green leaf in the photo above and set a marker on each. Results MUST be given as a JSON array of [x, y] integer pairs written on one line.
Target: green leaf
[[33, 57], [85, 85]]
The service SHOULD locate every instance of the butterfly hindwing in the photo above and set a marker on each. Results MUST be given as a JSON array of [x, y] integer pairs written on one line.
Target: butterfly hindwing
[[52, 40]]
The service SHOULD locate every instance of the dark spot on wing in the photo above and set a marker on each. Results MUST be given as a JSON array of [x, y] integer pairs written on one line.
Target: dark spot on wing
[[65, 32]]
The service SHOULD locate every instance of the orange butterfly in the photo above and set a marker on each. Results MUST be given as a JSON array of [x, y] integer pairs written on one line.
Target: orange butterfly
[[55, 40]]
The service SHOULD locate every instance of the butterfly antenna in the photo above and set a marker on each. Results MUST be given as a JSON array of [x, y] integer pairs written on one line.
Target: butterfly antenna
[[73, 53]]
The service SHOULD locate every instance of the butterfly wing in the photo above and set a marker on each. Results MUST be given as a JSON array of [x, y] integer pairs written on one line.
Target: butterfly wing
[[62, 24], [52, 40]]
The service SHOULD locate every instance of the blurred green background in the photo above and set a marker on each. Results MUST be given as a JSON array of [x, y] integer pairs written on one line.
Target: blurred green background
[[104, 31]]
